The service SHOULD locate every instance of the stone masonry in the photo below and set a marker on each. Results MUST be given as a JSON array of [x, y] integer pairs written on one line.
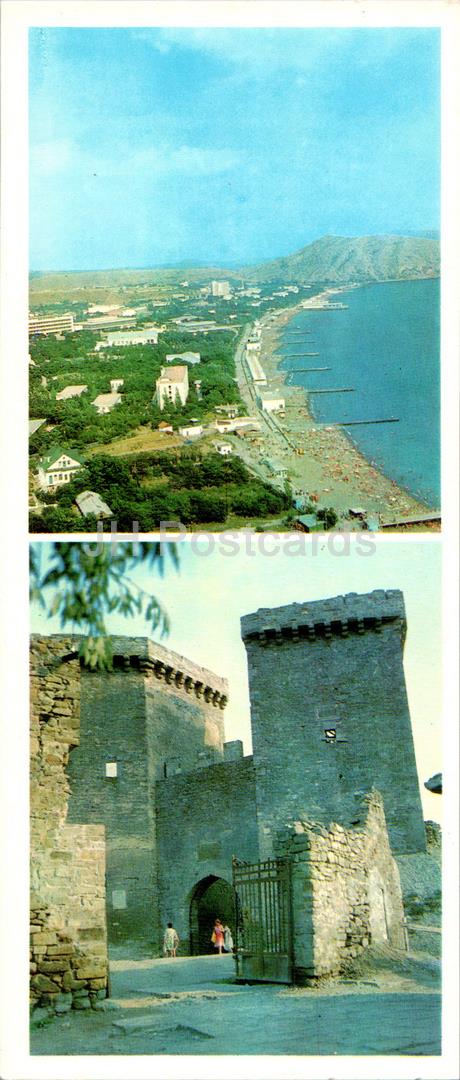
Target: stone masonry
[[155, 716], [329, 712], [346, 892], [68, 960], [149, 764]]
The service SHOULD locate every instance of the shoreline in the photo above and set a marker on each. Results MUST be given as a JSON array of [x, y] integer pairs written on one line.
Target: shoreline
[[330, 467]]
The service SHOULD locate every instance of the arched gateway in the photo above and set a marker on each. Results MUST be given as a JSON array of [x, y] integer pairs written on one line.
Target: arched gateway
[[212, 898]]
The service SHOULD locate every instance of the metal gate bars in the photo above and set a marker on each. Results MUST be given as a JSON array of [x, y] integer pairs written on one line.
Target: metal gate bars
[[263, 945]]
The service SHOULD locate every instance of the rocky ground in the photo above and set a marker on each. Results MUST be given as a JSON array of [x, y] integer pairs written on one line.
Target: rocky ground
[[387, 1004]]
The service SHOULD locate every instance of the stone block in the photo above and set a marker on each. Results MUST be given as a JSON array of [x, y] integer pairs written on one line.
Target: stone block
[[44, 983], [54, 967], [43, 938], [81, 1003], [94, 971], [63, 1003]]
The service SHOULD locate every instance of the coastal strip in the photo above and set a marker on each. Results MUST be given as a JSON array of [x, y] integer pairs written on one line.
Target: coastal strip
[[320, 461]]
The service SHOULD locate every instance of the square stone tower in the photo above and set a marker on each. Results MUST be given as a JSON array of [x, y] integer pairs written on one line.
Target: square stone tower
[[155, 715], [330, 717]]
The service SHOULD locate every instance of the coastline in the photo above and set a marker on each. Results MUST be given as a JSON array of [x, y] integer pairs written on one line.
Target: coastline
[[331, 468]]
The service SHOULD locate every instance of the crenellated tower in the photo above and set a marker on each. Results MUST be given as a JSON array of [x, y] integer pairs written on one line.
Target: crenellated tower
[[330, 716]]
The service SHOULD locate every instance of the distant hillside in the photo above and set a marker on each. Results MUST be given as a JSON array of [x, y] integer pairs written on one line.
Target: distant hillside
[[341, 260]]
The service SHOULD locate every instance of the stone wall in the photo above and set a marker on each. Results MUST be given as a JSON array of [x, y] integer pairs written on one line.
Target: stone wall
[[346, 892], [330, 716], [68, 931], [154, 715], [203, 818]]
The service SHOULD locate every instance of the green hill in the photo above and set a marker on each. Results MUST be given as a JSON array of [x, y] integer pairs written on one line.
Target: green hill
[[341, 260]]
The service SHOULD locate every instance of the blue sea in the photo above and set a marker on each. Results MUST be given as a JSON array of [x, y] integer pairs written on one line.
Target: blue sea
[[385, 346]]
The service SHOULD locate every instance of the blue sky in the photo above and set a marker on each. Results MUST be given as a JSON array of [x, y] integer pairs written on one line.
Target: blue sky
[[151, 146], [212, 590]]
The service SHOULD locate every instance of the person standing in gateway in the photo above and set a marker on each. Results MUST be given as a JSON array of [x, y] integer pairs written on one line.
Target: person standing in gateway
[[217, 936], [170, 940]]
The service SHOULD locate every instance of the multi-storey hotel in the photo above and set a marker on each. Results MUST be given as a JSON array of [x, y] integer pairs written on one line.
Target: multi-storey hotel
[[51, 324]]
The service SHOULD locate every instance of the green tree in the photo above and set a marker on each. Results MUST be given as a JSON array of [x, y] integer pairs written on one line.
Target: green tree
[[83, 586]]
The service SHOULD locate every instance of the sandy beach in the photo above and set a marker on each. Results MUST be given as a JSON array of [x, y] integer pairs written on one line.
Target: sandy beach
[[331, 469]]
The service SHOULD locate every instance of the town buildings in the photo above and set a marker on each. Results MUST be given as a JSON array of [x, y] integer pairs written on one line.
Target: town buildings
[[172, 385], [51, 324], [90, 503], [185, 357], [271, 402], [70, 392], [58, 467], [134, 337], [221, 288], [104, 403]]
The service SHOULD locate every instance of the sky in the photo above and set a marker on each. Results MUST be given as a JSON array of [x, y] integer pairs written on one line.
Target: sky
[[206, 598], [227, 146]]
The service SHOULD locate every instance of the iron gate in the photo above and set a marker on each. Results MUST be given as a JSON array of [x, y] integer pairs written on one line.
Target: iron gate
[[263, 945]]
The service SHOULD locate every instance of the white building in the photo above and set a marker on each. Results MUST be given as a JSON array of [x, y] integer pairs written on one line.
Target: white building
[[172, 385], [221, 288], [239, 423], [271, 403], [252, 346], [70, 392], [185, 357], [57, 467], [228, 410], [51, 324], [34, 425], [134, 337], [191, 431], [258, 375], [89, 502], [225, 449], [104, 403]]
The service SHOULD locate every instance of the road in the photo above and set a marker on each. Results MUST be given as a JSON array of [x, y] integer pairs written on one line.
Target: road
[[191, 1006]]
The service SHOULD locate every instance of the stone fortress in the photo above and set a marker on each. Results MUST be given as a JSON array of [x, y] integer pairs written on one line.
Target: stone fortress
[[138, 755]]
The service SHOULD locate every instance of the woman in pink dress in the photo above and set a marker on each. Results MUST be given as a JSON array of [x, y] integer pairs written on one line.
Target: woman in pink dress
[[217, 936]]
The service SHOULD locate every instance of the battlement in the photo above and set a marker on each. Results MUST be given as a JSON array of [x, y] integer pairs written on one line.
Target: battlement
[[342, 615], [146, 656]]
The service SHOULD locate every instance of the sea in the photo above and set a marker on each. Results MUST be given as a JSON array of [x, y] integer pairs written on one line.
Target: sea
[[386, 347]]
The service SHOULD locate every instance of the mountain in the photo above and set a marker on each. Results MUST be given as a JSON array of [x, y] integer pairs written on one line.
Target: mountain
[[342, 260]]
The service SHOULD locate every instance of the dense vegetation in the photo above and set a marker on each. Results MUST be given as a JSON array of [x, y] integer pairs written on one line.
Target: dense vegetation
[[184, 486], [72, 361]]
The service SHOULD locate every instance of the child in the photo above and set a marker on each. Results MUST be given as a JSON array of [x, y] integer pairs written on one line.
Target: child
[[170, 940]]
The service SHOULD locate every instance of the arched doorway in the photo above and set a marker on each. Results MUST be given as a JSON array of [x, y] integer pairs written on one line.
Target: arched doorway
[[212, 898]]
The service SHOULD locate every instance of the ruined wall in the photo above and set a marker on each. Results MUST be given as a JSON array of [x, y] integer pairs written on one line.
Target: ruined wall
[[154, 713], [332, 666], [346, 892], [203, 818], [68, 929]]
